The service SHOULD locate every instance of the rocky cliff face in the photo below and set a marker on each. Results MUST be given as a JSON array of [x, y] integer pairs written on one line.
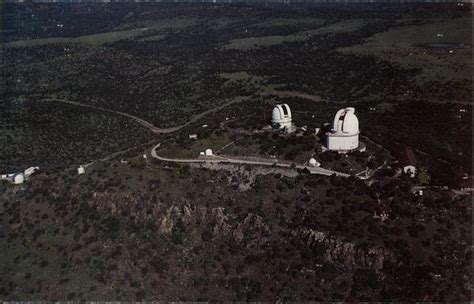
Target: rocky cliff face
[[251, 230], [337, 251]]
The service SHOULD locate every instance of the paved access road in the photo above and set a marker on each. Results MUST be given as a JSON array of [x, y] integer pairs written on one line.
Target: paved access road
[[213, 159], [232, 160], [147, 124]]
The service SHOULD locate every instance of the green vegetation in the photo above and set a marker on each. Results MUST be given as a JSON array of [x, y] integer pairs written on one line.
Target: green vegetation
[[134, 229], [166, 24], [242, 77], [251, 83], [256, 42], [190, 148], [265, 41], [143, 230], [409, 47], [453, 31], [345, 26], [138, 30], [249, 136], [153, 38], [51, 135], [274, 22], [95, 39]]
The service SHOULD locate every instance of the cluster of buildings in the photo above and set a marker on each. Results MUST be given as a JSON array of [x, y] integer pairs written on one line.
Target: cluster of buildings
[[19, 177], [207, 152], [341, 136]]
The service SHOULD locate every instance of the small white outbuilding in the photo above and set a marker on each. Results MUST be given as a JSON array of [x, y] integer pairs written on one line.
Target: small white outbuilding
[[313, 163], [81, 170], [209, 152]]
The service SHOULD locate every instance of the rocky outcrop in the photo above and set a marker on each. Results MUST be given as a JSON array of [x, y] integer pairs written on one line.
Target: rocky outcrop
[[348, 253]]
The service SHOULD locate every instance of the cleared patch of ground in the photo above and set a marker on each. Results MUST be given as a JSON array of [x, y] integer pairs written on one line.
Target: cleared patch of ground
[[265, 41], [263, 86], [271, 22], [251, 82], [282, 94], [153, 38], [193, 147], [128, 31], [345, 26], [95, 39], [242, 76], [223, 22], [412, 47], [256, 42], [165, 24]]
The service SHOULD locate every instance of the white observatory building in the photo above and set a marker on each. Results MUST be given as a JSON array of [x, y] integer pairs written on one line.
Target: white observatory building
[[281, 118], [344, 133]]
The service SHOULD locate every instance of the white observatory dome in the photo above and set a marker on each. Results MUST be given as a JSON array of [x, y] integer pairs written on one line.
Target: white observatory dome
[[344, 135], [208, 152], [281, 116], [19, 178], [346, 122]]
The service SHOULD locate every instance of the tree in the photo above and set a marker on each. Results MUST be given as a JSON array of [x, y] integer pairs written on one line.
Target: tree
[[423, 177]]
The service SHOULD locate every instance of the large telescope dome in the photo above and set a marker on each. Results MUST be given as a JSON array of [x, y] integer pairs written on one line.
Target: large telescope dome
[[344, 134], [346, 122], [281, 116]]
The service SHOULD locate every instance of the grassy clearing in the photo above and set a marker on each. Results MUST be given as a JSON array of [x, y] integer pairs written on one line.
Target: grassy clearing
[[402, 45], [128, 31], [265, 41], [261, 84], [193, 147], [165, 24], [153, 38], [243, 77], [223, 22], [345, 26], [251, 82], [272, 22], [95, 39], [458, 30], [256, 42]]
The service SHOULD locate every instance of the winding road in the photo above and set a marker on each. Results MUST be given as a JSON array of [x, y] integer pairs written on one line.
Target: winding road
[[213, 159], [147, 124], [232, 160]]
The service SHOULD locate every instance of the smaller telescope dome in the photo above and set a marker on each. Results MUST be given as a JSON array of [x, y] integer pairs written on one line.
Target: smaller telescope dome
[[313, 163], [19, 178], [281, 116]]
